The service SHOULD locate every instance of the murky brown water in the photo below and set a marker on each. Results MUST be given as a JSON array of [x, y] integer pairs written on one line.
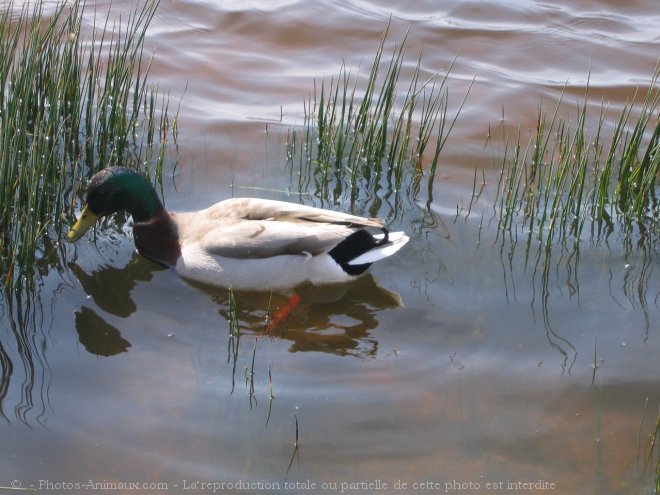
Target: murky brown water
[[483, 374]]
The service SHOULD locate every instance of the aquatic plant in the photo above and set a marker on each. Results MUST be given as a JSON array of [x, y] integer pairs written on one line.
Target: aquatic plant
[[372, 138], [69, 105], [73, 99], [565, 178], [579, 184]]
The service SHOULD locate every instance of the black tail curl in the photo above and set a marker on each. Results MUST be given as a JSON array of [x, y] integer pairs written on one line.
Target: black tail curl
[[355, 245]]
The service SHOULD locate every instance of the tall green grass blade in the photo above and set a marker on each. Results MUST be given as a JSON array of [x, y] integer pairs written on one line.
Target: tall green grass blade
[[366, 138], [573, 178]]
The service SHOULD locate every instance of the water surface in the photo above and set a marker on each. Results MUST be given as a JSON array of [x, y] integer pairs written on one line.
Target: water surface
[[468, 359]]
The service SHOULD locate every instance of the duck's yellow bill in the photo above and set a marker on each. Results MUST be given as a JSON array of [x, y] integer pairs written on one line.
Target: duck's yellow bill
[[85, 222]]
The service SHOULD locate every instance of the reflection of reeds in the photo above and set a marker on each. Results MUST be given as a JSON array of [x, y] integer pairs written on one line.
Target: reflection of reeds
[[249, 375], [68, 106], [270, 395], [370, 141], [296, 446], [233, 346], [234, 328], [234, 340], [24, 370], [565, 178]]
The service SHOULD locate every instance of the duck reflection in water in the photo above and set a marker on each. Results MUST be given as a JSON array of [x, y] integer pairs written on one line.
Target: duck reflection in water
[[110, 289], [97, 336], [337, 319]]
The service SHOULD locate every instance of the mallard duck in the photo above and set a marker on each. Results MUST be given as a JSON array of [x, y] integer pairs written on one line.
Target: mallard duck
[[243, 243]]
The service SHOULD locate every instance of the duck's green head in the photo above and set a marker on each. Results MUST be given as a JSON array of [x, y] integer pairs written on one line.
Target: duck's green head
[[112, 190]]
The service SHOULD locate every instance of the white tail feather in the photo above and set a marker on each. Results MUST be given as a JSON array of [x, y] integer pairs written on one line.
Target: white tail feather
[[396, 241]]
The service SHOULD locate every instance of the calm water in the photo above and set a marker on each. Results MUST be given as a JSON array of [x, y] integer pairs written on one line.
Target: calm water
[[453, 368]]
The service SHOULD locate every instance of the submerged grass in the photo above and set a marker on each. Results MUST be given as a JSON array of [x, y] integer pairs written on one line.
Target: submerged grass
[[370, 138], [68, 107], [566, 178]]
